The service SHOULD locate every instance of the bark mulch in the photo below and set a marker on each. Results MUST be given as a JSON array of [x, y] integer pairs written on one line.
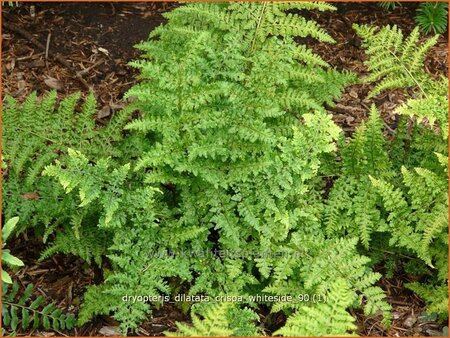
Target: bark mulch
[[89, 46]]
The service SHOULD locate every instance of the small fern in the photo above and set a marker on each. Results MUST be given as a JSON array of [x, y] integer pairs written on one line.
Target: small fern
[[50, 129], [22, 311]]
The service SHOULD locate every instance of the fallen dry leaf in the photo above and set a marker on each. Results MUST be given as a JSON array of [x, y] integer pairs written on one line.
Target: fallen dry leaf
[[110, 331]]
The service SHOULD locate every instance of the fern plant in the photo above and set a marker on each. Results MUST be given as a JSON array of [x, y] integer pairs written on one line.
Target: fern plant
[[216, 189], [50, 129], [231, 142], [223, 131], [414, 200], [232, 152], [22, 311]]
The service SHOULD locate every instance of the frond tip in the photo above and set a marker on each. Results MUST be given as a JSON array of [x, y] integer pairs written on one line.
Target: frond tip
[[324, 319]]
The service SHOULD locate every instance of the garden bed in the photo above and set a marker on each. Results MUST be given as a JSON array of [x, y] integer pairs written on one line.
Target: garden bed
[[96, 40]]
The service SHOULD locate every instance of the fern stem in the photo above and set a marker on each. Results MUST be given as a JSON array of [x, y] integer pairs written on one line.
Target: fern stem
[[409, 73], [38, 135], [263, 9], [396, 253]]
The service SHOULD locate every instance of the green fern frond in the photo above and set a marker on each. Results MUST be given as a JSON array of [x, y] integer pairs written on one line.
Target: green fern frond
[[89, 244], [324, 319], [218, 319], [394, 61], [23, 311], [436, 297]]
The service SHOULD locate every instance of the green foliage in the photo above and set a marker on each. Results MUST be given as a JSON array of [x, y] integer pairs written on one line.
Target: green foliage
[[231, 152], [215, 188], [417, 219], [50, 129], [22, 311], [432, 17], [219, 319], [396, 62], [436, 297], [427, 197], [97, 182], [414, 197], [351, 208], [389, 5], [89, 243], [7, 258], [327, 318]]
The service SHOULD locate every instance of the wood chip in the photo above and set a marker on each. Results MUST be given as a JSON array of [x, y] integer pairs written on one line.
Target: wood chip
[[104, 112], [110, 331], [53, 83]]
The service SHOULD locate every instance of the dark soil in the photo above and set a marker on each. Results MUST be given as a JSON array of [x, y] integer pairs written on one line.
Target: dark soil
[[97, 39]]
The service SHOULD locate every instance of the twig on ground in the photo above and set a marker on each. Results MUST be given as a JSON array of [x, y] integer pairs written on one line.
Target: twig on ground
[[47, 45], [39, 45]]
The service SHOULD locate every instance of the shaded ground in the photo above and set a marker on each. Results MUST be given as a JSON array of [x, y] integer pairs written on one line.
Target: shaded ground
[[97, 41]]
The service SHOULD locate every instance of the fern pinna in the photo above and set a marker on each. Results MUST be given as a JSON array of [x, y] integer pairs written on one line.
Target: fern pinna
[[219, 319]]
